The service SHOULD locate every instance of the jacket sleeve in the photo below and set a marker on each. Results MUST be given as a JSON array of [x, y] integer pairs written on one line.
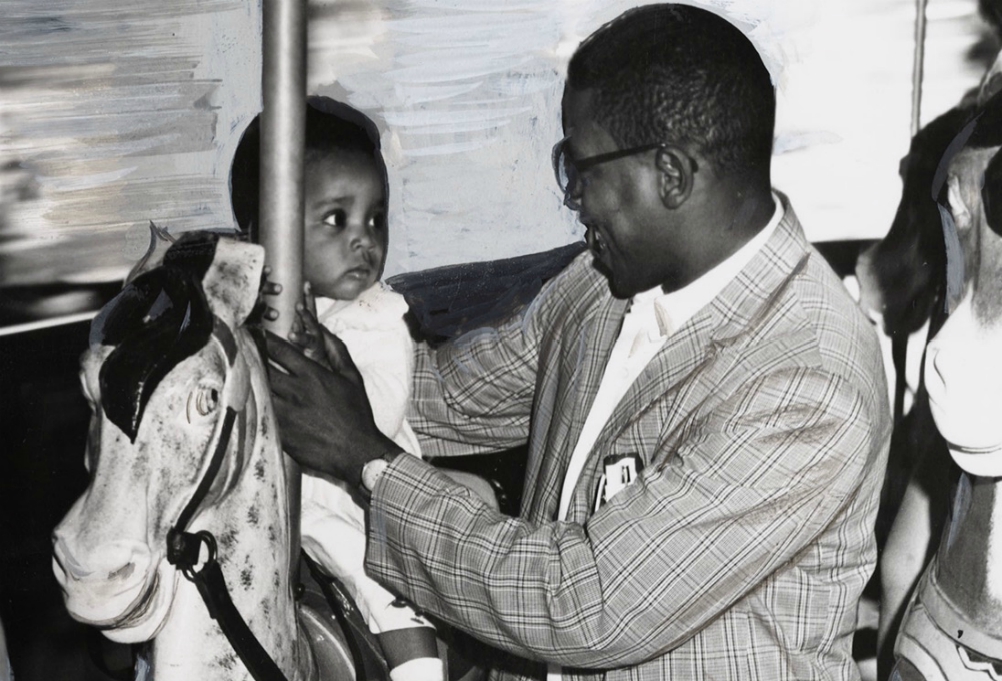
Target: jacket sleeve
[[757, 479], [475, 393]]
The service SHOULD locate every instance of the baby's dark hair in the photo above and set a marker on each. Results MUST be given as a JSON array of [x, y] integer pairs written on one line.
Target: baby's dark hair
[[331, 127]]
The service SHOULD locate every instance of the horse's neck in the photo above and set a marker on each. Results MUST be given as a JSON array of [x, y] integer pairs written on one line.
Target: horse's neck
[[969, 562], [251, 526]]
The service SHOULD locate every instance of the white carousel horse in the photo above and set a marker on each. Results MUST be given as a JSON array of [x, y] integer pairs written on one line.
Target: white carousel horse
[[183, 437], [953, 626]]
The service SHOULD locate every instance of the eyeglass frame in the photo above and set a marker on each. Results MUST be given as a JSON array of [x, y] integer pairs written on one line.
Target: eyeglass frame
[[587, 163]]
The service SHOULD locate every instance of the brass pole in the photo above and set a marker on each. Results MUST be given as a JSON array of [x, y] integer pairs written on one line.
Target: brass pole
[[283, 119]]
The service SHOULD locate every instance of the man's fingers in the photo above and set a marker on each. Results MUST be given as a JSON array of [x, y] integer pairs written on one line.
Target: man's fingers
[[307, 322], [339, 358], [337, 353], [283, 386], [296, 332], [284, 354]]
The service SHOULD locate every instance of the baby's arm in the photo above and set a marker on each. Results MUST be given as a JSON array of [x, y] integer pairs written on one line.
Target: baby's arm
[[380, 347], [385, 358]]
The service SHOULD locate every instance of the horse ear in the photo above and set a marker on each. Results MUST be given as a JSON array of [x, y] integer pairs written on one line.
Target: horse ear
[[991, 193], [160, 241], [232, 280]]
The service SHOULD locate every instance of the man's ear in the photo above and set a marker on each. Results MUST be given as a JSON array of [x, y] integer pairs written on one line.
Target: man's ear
[[678, 169]]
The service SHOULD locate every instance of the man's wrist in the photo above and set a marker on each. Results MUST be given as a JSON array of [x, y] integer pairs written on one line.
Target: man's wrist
[[374, 467]]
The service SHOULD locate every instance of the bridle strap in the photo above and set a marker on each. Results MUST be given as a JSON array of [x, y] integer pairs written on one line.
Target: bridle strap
[[183, 550], [210, 474], [212, 588]]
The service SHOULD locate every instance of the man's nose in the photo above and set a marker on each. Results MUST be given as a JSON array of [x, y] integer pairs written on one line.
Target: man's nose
[[572, 197]]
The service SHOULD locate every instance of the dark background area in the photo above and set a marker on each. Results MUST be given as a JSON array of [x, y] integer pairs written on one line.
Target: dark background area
[[43, 422]]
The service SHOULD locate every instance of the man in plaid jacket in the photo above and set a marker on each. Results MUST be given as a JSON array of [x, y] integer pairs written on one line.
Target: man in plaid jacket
[[704, 404]]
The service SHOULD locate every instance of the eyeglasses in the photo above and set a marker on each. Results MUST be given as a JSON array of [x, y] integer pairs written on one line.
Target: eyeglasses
[[568, 171]]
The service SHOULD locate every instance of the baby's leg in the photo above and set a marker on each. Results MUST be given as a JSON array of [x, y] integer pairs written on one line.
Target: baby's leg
[[333, 534], [407, 639]]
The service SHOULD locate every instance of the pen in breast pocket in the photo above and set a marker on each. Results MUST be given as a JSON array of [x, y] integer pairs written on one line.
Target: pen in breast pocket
[[619, 470]]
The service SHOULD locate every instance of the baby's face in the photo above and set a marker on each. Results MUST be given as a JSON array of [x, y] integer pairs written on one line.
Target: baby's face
[[344, 243]]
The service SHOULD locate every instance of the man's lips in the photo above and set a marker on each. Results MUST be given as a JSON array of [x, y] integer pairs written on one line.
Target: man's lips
[[595, 242]]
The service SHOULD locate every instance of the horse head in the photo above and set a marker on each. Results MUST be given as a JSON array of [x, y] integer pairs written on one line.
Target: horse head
[[167, 360], [963, 369], [901, 276]]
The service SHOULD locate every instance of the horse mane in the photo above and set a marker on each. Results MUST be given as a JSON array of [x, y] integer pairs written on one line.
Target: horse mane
[[158, 320]]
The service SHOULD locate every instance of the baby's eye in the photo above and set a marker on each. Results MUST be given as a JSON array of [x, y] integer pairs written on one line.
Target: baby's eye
[[378, 221], [336, 218]]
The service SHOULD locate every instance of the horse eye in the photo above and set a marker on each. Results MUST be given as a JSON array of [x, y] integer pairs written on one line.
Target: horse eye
[[204, 399], [207, 401]]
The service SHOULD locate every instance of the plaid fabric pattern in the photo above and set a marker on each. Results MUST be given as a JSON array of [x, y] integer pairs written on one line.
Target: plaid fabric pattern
[[741, 550]]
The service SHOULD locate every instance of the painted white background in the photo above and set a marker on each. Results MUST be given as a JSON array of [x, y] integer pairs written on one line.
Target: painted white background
[[112, 114]]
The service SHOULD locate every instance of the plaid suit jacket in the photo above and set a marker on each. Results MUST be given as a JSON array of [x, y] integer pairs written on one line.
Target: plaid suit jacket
[[740, 551]]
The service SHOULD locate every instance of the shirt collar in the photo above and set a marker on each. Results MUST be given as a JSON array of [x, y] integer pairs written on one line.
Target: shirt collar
[[672, 310]]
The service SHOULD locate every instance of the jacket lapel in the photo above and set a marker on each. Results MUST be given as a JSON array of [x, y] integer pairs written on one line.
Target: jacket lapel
[[590, 351], [687, 354]]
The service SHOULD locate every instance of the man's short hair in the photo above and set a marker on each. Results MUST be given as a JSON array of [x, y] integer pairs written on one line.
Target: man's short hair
[[679, 74], [331, 127]]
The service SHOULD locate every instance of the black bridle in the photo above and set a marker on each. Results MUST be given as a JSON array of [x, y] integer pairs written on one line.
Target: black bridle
[[183, 549]]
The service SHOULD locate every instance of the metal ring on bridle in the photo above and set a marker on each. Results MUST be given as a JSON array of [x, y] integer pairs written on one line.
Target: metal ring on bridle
[[210, 543]]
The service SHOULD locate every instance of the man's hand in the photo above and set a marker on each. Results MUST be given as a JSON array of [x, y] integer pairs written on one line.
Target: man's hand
[[324, 415]]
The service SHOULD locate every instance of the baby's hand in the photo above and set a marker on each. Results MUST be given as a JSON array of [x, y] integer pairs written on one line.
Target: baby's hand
[[307, 333]]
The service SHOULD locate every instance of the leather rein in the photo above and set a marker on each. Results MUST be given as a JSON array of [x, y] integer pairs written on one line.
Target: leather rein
[[183, 549]]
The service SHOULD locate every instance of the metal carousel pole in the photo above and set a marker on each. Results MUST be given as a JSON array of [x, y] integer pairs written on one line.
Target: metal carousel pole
[[283, 119], [918, 64]]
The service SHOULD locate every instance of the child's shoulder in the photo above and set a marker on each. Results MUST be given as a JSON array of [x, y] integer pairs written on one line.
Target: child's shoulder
[[381, 299], [376, 308]]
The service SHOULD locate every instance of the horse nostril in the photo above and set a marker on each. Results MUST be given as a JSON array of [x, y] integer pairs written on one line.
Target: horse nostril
[[64, 559], [123, 572]]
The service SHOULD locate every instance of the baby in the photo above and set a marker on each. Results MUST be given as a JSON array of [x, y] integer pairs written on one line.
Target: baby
[[345, 240]]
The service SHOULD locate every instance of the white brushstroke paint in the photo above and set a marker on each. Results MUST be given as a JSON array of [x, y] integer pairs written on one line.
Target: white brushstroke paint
[[117, 114], [114, 115]]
